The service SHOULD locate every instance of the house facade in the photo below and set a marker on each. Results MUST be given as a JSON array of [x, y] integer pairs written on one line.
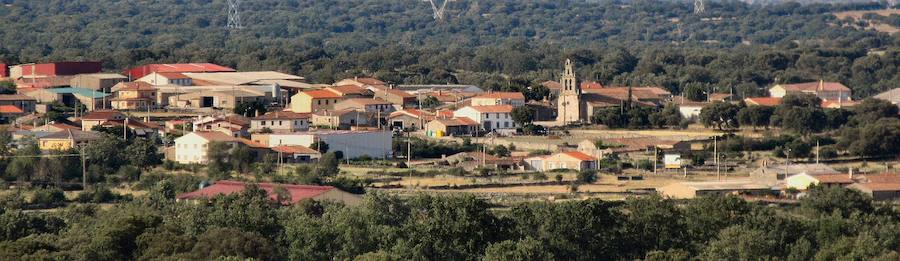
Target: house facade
[[499, 98], [829, 91], [280, 121], [314, 100], [491, 118], [574, 160]]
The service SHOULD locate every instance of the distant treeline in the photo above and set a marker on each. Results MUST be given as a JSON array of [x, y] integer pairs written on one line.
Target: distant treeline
[[502, 44], [828, 224]]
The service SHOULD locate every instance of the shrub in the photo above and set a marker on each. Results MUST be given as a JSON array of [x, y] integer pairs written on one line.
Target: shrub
[[99, 194], [587, 176], [48, 198], [457, 171], [129, 173], [539, 176], [645, 164]]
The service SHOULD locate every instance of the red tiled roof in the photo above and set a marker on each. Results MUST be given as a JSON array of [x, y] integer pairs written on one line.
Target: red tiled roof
[[366, 101], [295, 150], [413, 112], [816, 86], [16, 97], [461, 121], [833, 178], [135, 86], [140, 71], [227, 187], [396, 92], [369, 81], [213, 136], [251, 143], [591, 85], [638, 93], [10, 109], [884, 178], [880, 186], [493, 108], [282, 115], [552, 85], [839, 104], [579, 155], [102, 115], [321, 94], [502, 95], [763, 101], [173, 75], [348, 89]]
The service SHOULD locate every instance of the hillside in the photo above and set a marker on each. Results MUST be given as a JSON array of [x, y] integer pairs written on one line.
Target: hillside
[[480, 42]]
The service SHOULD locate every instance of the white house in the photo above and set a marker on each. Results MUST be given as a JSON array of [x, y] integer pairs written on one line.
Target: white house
[[803, 181], [280, 121], [491, 118], [353, 144], [192, 147], [167, 78], [499, 98], [691, 110]]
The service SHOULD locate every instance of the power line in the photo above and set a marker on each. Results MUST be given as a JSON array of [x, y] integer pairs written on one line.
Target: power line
[[234, 14], [699, 7], [439, 11]]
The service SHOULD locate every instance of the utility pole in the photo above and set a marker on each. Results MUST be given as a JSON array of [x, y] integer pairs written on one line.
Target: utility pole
[[655, 158], [83, 170], [716, 154], [408, 149], [817, 152]]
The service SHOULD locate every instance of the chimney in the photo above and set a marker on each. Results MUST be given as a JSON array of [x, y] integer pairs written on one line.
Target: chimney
[[851, 172], [356, 78], [821, 84]]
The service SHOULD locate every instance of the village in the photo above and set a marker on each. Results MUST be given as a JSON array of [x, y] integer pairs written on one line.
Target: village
[[406, 139]]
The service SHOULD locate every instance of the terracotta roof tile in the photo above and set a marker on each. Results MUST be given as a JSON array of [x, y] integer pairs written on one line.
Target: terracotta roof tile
[[276, 115], [763, 101], [501, 95], [493, 108], [579, 155], [10, 109], [322, 94], [227, 187]]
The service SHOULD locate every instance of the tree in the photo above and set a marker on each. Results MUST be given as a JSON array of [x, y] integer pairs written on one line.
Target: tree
[[429, 102], [756, 116], [24, 165], [528, 249], [587, 176], [250, 109], [217, 155], [319, 146], [100, 153], [240, 158], [826, 201], [739, 243], [871, 110], [328, 165], [523, 115], [225, 242], [649, 227], [143, 154], [611, 117], [722, 115]]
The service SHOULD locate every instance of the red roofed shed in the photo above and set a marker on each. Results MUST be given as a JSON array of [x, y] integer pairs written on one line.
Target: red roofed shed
[[141, 71], [296, 192]]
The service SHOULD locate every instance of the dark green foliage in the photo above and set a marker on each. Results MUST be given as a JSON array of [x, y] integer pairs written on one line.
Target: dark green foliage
[[428, 148], [587, 176], [250, 109], [523, 115], [47, 198], [429, 102], [721, 115], [142, 153]]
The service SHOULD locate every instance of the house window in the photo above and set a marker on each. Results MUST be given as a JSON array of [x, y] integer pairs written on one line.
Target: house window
[[506, 124], [319, 102], [279, 123], [272, 123], [263, 123]]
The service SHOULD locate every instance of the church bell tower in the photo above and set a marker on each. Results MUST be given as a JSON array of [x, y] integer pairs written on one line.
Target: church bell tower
[[569, 106]]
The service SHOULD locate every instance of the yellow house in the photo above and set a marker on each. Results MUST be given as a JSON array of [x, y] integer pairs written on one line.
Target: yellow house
[[66, 139], [803, 181], [314, 100], [574, 160], [134, 96]]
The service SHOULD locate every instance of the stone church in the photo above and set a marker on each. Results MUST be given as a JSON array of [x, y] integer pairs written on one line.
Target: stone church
[[576, 105]]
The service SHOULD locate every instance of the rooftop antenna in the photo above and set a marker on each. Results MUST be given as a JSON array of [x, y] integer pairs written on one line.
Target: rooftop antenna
[[234, 14], [439, 11], [699, 7]]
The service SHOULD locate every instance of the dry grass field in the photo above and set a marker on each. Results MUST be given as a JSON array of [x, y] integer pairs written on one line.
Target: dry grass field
[[857, 15]]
